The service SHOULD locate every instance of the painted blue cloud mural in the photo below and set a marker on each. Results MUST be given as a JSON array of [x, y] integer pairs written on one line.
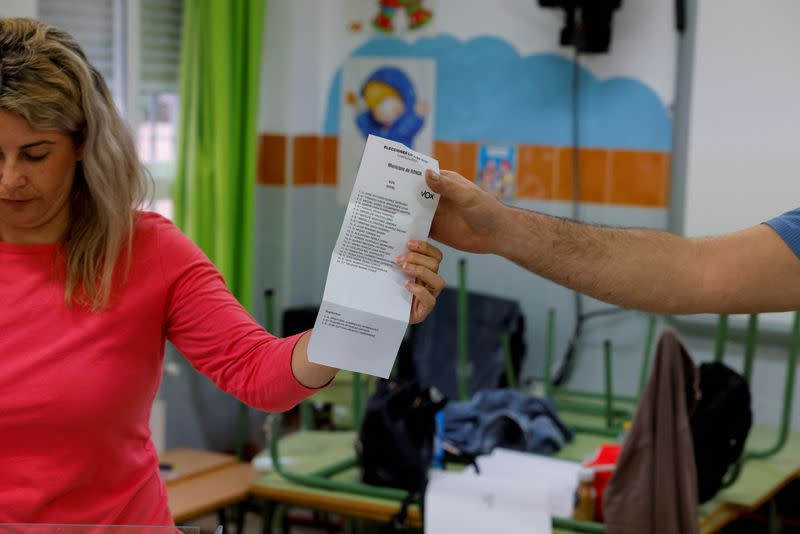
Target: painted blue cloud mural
[[486, 91]]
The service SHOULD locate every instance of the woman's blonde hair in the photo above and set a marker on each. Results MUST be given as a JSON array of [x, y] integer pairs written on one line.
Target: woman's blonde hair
[[46, 79]]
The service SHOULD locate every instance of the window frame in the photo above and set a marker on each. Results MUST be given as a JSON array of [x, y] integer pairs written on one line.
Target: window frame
[[124, 78], [127, 18]]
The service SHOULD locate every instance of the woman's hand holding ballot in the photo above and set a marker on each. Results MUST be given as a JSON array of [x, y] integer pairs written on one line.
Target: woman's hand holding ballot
[[422, 261]]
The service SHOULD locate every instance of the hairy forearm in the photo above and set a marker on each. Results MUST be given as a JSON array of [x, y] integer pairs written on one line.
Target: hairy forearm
[[640, 269]]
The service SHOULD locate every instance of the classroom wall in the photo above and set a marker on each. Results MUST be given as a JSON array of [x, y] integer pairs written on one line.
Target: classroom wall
[[625, 134], [723, 112], [742, 161], [743, 130], [19, 8], [298, 217]]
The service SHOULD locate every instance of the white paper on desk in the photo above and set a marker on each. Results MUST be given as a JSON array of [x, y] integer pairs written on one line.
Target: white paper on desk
[[473, 504], [557, 479], [365, 307]]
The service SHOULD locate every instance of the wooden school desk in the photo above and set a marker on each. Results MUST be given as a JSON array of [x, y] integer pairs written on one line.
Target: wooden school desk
[[308, 451], [205, 482]]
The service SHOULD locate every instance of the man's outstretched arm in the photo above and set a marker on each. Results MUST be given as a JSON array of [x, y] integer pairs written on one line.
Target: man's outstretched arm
[[748, 271]]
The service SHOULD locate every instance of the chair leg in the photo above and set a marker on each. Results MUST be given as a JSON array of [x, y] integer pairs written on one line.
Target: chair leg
[[281, 513], [774, 525], [222, 519], [241, 515], [267, 515], [286, 524]]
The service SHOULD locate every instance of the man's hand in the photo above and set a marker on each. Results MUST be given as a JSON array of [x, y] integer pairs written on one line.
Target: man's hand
[[744, 272], [468, 218]]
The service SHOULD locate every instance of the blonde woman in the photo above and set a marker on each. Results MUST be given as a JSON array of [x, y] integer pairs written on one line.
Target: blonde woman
[[90, 290]]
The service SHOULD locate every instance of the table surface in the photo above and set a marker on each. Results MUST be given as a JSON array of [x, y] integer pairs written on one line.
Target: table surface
[[305, 452], [210, 492], [189, 463], [205, 482], [759, 481]]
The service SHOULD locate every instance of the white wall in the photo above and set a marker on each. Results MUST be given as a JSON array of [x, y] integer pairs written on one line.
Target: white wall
[[743, 165], [306, 41], [743, 157], [714, 80], [312, 38], [18, 8]]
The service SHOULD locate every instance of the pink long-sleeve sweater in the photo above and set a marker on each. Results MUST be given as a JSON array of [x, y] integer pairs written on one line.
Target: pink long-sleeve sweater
[[76, 387]]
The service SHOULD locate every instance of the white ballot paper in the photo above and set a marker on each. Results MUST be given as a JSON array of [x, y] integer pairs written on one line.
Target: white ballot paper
[[365, 308], [554, 479], [474, 504]]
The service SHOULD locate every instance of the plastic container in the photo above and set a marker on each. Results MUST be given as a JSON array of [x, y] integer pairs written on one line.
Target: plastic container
[[626, 429], [603, 463], [586, 501]]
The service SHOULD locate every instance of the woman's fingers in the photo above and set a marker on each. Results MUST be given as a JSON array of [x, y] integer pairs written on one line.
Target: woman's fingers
[[415, 258], [428, 278], [422, 262], [421, 254], [423, 303], [425, 248]]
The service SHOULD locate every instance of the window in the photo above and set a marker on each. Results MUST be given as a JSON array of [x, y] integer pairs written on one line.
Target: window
[[135, 44], [160, 63], [91, 22]]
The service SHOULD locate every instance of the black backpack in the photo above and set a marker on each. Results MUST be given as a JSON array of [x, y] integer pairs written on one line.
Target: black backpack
[[396, 440], [720, 424]]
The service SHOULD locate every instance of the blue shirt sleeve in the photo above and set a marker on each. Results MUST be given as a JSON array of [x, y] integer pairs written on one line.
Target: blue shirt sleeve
[[788, 227]]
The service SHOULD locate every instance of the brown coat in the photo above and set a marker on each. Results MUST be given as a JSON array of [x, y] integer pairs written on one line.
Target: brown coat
[[654, 487]]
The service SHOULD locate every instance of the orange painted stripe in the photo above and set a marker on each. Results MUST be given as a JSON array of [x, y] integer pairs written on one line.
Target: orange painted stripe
[[305, 159], [536, 172], [639, 178], [448, 155], [314, 160], [272, 159], [459, 157], [612, 177], [469, 160], [329, 164], [593, 172]]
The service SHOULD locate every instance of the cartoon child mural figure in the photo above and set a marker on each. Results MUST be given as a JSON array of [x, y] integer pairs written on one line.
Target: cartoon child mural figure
[[418, 16], [390, 107]]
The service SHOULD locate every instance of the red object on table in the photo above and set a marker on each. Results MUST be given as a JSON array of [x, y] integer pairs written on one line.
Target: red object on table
[[603, 463]]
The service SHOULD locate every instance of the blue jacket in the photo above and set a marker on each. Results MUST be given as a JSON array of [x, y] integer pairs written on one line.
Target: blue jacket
[[406, 126], [504, 418]]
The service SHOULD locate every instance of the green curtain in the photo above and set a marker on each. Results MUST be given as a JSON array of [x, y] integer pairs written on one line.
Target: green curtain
[[214, 192]]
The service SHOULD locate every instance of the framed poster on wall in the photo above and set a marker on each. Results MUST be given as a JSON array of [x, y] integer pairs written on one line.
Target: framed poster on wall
[[388, 97]]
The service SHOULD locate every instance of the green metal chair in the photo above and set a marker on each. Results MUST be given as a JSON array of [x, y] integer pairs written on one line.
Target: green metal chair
[[605, 406], [358, 387], [607, 411], [610, 408], [751, 341], [322, 478]]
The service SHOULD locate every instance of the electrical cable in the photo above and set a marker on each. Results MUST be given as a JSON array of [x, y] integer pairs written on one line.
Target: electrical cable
[[568, 361]]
